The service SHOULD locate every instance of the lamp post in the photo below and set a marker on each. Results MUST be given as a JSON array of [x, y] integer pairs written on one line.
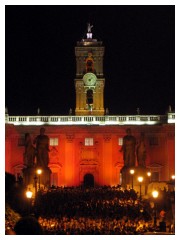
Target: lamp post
[[132, 174], [140, 179], [173, 181], [173, 177], [39, 171], [35, 184], [155, 195], [149, 176], [148, 181], [29, 197]]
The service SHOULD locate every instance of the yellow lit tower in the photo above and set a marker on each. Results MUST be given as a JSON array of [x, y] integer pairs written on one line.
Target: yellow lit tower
[[89, 82]]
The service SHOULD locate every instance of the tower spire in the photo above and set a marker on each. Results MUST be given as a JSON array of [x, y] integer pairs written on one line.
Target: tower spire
[[89, 33]]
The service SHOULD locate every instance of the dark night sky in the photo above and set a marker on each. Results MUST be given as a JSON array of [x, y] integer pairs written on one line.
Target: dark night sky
[[40, 60]]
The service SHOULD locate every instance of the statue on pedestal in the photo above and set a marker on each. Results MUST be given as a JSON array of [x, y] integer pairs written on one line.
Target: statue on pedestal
[[42, 149], [29, 154], [128, 149], [141, 152]]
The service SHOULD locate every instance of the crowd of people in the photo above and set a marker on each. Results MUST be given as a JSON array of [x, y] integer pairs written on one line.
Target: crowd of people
[[92, 211], [93, 226], [91, 202]]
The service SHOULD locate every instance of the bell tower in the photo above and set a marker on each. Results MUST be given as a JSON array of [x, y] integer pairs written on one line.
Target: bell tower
[[89, 81]]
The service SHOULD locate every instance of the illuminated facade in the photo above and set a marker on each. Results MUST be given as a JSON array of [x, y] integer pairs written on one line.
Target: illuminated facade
[[86, 147]]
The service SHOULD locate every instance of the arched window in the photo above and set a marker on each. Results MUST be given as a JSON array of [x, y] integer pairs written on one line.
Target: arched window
[[89, 63], [89, 97]]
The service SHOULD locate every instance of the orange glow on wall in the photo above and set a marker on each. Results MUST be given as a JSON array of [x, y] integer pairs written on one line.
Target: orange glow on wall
[[71, 160]]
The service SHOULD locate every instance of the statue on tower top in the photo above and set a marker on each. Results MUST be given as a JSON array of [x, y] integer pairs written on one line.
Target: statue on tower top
[[89, 33], [89, 27]]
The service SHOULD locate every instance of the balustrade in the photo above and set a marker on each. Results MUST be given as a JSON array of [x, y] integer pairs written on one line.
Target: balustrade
[[93, 120]]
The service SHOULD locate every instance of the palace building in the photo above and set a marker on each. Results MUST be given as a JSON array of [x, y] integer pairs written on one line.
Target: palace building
[[85, 148]]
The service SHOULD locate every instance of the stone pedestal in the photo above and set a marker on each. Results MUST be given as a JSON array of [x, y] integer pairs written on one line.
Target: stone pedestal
[[128, 179], [30, 177], [45, 177]]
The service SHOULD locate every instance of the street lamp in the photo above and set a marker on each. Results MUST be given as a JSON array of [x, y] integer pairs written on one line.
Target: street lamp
[[35, 184], [132, 173], [39, 171], [29, 194], [140, 179], [155, 195], [29, 197], [173, 177], [149, 175]]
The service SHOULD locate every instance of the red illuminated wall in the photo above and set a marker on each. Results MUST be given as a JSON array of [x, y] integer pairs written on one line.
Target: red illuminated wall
[[71, 160]]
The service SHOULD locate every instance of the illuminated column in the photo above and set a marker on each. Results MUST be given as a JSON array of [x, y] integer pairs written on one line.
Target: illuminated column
[[132, 176]]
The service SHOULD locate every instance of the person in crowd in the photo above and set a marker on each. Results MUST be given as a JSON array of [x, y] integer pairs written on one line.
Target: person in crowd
[[28, 226]]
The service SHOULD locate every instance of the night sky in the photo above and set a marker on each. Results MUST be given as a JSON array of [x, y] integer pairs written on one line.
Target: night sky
[[139, 64]]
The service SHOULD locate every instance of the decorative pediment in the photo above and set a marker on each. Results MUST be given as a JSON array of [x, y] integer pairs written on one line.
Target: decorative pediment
[[19, 166], [155, 165], [55, 165]]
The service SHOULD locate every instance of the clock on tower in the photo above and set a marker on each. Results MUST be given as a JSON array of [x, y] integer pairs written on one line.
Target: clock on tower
[[89, 79]]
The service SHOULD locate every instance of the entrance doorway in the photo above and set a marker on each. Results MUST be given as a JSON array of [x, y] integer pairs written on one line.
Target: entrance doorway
[[88, 180]]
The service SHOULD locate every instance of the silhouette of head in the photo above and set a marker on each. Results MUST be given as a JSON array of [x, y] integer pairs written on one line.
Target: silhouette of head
[[28, 226]]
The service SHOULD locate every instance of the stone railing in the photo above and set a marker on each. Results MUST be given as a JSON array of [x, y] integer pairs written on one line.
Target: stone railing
[[91, 120]]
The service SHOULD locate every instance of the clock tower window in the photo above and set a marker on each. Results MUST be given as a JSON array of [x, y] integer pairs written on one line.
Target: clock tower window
[[89, 63], [89, 66], [89, 97]]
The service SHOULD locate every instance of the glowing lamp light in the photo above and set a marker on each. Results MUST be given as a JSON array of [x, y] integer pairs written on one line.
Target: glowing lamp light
[[155, 194], [173, 177], [132, 173], [140, 179], [29, 194], [39, 171]]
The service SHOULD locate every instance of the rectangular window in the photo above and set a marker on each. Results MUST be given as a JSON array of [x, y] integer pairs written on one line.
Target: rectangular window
[[120, 141], [53, 141], [155, 177], [89, 142]]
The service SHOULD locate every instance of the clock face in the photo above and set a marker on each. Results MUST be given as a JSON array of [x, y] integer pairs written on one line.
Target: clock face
[[89, 79]]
